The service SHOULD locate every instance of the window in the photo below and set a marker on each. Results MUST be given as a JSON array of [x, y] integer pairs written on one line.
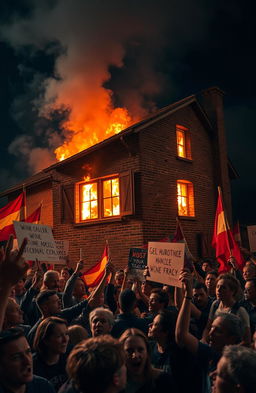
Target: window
[[183, 142], [185, 197], [104, 198]]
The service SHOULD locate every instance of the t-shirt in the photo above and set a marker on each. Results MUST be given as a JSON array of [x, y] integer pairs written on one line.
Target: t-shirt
[[55, 373], [239, 311], [37, 385]]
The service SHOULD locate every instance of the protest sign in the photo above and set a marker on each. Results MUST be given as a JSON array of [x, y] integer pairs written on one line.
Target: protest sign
[[41, 245], [62, 250], [137, 263], [251, 229], [165, 261]]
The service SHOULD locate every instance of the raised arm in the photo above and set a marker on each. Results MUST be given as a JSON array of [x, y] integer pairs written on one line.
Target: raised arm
[[185, 339], [12, 269]]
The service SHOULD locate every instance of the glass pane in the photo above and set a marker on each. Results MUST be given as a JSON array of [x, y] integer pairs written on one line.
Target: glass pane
[[85, 214], [107, 189], [94, 209], [116, 206], [94, 191], [107, 207], [115, 187]]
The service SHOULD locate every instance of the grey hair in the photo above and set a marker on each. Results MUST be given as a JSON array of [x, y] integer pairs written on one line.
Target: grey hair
[[241, 366], [103, 311], [233, 324]]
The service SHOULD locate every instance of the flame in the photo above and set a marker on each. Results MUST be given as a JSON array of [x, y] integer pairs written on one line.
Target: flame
[[84, 134], [89, 201]]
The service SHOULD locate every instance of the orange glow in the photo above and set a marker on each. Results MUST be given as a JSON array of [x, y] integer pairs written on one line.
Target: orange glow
[[111, 198], [185, 198], [89, 198], [85, 131], [181, 143]]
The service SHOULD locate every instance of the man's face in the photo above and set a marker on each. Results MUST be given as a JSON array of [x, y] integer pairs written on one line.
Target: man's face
[[13, 315], [53, 305], [16, 363], [79, 289], [219, 335], [250, 291], [154, 305], [100, 325], [155, 329], [119, 278], [200, 297], [206, 267], [222, 383]]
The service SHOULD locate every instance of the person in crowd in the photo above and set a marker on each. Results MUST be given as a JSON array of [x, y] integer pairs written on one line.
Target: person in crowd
[[227, 287], [64, 273], [19, 290], [97, 365], [200, 308], [158, 301], [206, 266], [75, 289], [210, 283], [16, 365], [14, 317], [249, 271], [126, 319], [249, 302], [101, 321], [51, 280], [141, 376], [119, 277], [77, 333], [236, 371], [50, 346], [226, 329]]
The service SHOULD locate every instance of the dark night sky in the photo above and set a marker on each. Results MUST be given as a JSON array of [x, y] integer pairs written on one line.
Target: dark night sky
[[156, 52]]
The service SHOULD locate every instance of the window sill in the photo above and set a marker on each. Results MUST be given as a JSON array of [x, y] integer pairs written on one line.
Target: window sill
[[98, 221], [184, 159], [189, 218]]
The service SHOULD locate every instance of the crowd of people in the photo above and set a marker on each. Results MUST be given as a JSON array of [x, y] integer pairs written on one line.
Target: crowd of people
[[57, 335]]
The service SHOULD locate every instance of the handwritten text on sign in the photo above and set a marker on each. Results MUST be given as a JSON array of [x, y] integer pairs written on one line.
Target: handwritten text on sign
[[41, 244], [165, 260]]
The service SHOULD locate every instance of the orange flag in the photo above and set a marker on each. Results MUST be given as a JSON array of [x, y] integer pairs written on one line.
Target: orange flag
[[13, 211], [34, 217], [93, 275], [223, 240]]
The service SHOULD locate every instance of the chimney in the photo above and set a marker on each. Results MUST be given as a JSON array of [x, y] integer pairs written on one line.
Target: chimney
[[212, 103]]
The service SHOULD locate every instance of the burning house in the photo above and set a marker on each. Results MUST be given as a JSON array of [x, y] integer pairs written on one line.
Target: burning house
[[129, 188]]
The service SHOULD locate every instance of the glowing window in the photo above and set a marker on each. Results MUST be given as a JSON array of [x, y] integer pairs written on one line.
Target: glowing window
[[183, 142], [111, 198], [185, 197], [89, 201]]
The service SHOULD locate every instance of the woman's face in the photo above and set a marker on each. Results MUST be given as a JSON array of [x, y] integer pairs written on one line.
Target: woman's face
[[155, 328], [136, 355], [58, 340], [223, 290]]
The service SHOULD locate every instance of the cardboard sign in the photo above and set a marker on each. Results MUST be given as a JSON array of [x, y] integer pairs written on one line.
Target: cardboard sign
[[41, 245], [165, 261], [137, 263], [62, 249], [251, 229]]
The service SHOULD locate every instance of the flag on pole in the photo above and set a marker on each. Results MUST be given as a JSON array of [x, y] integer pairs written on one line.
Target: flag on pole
[[223, 240], [13, 211], [34, 217], [93, 275], [237, 234]]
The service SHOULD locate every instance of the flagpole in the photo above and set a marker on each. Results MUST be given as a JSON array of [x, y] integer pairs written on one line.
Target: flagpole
[[225, 220], [25, 201]]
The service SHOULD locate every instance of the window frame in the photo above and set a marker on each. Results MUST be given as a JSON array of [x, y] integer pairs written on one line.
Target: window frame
[[187, 142], [190, 198]]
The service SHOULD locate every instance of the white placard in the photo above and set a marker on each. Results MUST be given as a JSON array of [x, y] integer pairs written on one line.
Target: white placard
[[62, 249], [165, 261], [251, 229], [41, 245]]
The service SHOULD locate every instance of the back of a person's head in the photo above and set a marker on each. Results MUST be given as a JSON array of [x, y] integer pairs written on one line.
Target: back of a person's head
[[77, 333], [200, 285], [168, 319], [43, 296], [240, 367], [127, 300], [92, 364], [233, 325]]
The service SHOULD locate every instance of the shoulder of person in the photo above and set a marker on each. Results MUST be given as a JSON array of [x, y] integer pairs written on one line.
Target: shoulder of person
[[39, 385]]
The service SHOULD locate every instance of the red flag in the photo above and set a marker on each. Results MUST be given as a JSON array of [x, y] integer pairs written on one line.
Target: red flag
[[34, 217], [11, 212], [93, 275], [223, 240], [236, 233]]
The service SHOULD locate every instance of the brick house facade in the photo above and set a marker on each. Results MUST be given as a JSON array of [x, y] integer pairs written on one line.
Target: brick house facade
[[145, 160]]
